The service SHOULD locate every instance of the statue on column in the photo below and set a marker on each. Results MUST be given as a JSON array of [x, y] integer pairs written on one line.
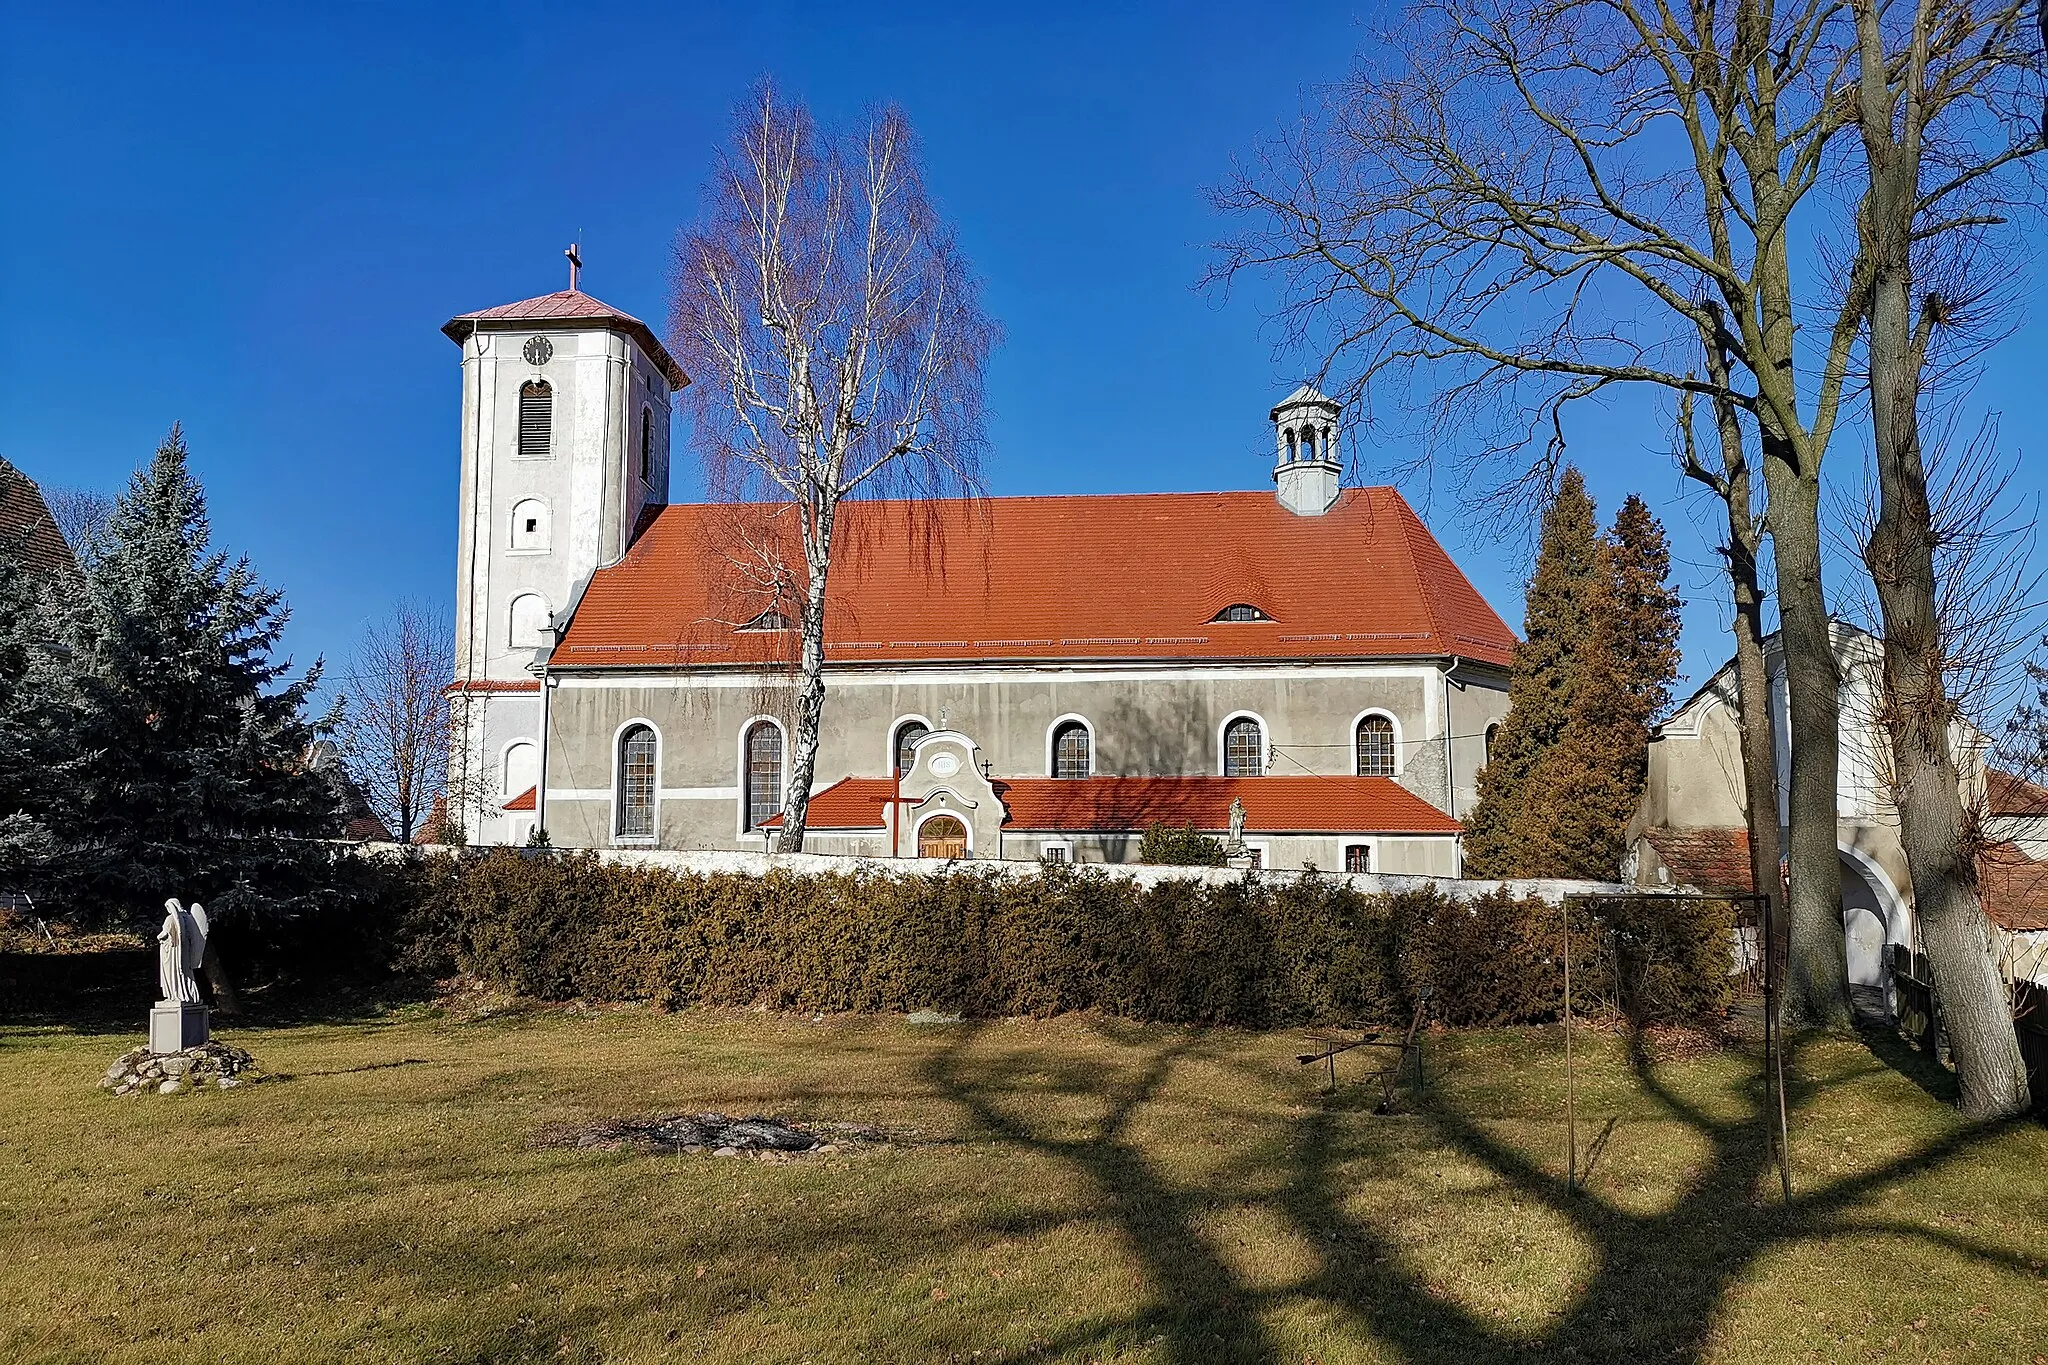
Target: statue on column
[[181, 948]]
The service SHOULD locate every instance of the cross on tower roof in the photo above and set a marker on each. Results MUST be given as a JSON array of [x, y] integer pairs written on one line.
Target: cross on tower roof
[[575, 255]]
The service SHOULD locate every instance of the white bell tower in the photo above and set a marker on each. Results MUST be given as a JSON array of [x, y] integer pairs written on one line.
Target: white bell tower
[[565, 446], [1306, 466]]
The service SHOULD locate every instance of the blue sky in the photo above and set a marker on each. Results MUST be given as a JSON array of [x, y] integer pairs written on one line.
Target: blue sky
[[254, 221]]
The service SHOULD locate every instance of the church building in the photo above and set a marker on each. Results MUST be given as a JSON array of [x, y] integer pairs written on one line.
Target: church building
[[1007, 677]]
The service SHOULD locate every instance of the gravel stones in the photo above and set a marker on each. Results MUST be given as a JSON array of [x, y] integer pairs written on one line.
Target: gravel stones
[[217, 1064], [715, 1135]]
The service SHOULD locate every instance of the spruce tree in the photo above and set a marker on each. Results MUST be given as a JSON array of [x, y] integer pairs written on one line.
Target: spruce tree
[[1592, 780], [40, 753], [1543, 686], [197, 783]]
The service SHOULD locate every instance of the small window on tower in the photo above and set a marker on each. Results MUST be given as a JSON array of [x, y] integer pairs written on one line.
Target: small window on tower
[[647, 445], [530, 525]]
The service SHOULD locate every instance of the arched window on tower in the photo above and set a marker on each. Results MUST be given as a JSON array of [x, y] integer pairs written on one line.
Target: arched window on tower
[[536, 420], [637, 750], [1292, 452], [1244, 748], [1486, 751], [529, 524], [762, 780], [1375, 747], [646, 445], [1072, 753], [529, 621], [907, 736], [1308, 443]]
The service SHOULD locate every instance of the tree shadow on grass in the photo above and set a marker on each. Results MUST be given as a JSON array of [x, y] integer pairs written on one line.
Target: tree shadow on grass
[[1659, 1279]]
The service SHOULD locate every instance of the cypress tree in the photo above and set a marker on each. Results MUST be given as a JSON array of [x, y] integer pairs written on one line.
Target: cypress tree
[[197, 783], [1562, 600], [1592, 780]]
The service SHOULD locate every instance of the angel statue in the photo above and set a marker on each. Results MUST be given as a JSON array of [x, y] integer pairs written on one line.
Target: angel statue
[[182, 947], [1236, 822]]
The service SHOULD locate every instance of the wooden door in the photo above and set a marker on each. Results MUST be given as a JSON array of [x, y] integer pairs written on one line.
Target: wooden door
[[942, 836]]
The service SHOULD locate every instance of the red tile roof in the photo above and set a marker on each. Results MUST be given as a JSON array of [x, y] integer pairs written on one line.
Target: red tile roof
[[566, 308], [523, 801], [1117, 577], [28, 533], [2010, 794], [2014, 888], [1336, 805], [1709, 859]]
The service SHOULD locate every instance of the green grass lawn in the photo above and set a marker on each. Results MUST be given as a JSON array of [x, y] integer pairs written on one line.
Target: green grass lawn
[[1078, 1190]]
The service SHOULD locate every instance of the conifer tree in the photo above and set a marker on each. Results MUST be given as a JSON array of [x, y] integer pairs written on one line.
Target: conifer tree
[[197, 783], [1543, 688], [1592, 780], [40, 755]]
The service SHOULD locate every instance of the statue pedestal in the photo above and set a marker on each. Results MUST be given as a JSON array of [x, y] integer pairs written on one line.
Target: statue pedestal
[[1236, 856], [175, 1025]]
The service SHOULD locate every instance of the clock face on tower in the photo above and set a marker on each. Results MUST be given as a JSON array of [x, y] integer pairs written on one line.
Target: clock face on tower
[[539, 350]]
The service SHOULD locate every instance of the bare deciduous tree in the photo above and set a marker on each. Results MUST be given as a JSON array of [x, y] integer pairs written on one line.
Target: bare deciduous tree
[[394, 731], [1946, 94], [1544, 201], [81, 515], [838, 341]]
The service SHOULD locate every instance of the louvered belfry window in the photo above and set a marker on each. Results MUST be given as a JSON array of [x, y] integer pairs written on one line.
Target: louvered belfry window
[[536, 419], [1375, 747], [636, 783], [764, 773]]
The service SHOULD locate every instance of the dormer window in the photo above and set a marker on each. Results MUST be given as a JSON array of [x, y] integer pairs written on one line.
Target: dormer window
[[770, 619], [1241, 611]]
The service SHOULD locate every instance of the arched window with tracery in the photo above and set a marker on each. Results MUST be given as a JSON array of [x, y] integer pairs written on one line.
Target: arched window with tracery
[[1375, 747], [907, 736], [762, 780], [1244, 748], [637, 759], [1072, 753], [536, 419]]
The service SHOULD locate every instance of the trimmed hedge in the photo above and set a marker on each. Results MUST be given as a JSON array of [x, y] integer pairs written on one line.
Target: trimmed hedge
[[1258, 954]]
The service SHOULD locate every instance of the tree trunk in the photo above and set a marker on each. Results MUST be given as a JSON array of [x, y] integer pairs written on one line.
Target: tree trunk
[[225, 1001], [1918, 711], [810, 689], [1817, 984]]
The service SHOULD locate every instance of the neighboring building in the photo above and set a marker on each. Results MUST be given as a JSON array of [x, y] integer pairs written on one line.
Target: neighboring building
[[28, 533], [1691, 829], [1006, 677]]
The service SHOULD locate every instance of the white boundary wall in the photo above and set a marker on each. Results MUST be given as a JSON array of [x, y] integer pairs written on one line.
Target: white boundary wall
[[825, 864]]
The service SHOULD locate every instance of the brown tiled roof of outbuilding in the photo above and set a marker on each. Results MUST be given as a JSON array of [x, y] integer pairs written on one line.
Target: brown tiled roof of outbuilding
[[2010, 794], [28, 533], [566, 308], [1122, 577], [1707, 859]]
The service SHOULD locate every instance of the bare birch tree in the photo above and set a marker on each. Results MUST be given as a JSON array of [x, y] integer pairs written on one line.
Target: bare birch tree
[[394, 728], [838, 340], [81, 516], [1541, 202], [1947, 96]]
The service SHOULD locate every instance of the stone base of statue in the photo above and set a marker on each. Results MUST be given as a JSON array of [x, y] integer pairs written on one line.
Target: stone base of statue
[[1239, 857], [177, 1025]]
